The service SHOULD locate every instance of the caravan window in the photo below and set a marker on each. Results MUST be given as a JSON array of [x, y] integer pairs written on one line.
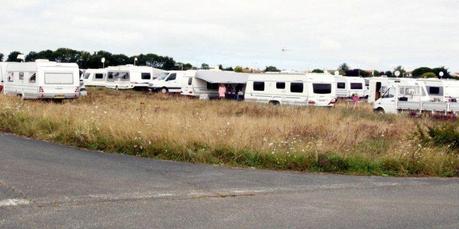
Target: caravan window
[[356, 86], [21, 76], [258, 86], [322, 88], [86, 76], [146, 76], [98, 76], [123, 76], [212, 86], [280, 85], [341, 85], [190, 81], [172, 76], [111, 76], [435, 91], [296, 87], [10, 76], [33, 78]]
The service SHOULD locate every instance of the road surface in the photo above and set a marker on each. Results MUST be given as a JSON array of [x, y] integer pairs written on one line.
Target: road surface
[[44, 185]]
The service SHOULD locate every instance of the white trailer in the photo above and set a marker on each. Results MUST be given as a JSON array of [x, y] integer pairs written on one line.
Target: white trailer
[[42, 80], [346, 87], [169, 82], [302, 90], [95, 77], [415, 96], [131, 76], [204, 83]]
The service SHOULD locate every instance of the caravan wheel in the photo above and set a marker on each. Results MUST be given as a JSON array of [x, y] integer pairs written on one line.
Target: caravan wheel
[[164, 90], [379, 110]]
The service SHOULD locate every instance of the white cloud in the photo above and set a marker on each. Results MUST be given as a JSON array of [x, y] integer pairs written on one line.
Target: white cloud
[[368, 34]]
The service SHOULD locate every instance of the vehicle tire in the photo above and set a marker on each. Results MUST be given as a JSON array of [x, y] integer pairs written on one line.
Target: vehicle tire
[[379, 110], [116, 88], [274, 103], [164, 90]]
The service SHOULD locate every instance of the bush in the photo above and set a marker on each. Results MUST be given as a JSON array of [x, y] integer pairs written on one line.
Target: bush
[[445, 135]]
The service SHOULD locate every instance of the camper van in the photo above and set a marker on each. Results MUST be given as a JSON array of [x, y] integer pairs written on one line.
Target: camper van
[[95, 77], [204, 83], [379, 85], [42, 80], [131, 77], [346, 87], [302, 90], [169, 82]]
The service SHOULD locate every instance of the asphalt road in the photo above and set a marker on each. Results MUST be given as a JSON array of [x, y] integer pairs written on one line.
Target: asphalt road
[[43, 185]]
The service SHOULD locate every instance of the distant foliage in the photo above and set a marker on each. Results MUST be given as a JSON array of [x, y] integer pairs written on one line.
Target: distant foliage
[[317, 71], [429, 75], [271, 69], [1, 56], [13, 57]]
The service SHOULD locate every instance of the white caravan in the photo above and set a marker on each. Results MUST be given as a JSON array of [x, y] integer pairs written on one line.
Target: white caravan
[[130, 76], [451, 90], [95, 77], [204, 83], [2, 74], [43, 80], [346, 87], [169, 82], [302, 90]]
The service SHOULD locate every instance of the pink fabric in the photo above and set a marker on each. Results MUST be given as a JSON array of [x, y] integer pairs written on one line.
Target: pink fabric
[[222, 91]]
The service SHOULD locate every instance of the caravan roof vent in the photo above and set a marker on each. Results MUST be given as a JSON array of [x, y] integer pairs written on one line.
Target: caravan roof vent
[[41, 60]]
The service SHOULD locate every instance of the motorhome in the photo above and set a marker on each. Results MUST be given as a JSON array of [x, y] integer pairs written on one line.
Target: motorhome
[[415, 96], [346, 87], [302, 90], [169, 82], [131, 77], [379, 85], [42, 80], [95, 77], [204, 83]]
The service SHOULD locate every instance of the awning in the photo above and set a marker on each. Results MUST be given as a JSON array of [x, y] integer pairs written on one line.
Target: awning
[[224, 77]]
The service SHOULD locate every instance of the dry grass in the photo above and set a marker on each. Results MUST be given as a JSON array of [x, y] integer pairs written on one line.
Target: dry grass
[[239, 134]]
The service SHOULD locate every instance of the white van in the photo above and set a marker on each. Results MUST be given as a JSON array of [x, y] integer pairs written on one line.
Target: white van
[[379, 85], [169, 82], [302, 90], [131, 76], [95, 77], [346, 87], [43, 80]]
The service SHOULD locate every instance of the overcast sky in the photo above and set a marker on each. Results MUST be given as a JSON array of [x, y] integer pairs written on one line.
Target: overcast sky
[[371, 34]]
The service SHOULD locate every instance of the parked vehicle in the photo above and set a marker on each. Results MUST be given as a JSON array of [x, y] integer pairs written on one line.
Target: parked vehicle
[[302, 90], [95, 77], [379, 85], [346, 87], [415, 96], [169, 82], [451, 90], [42, 80], [131, 77], [2, 75], [204, 83]]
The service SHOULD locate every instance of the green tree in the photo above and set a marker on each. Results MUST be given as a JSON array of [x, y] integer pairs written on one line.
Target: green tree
[[317, 71], [429, 75], [401, 70], [205, 66], [13, 57], [419, 72], [238, 69], [445, 71], [1, 57], [343, 69], [271, 69]]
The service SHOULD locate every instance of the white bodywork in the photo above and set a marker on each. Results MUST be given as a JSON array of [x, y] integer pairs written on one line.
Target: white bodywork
[[451, 89], [204, 83], [130, 76], [170, 82], [95, 77], [346, 87], [2, 74], [42, 80], [302, 90], [379, 85]]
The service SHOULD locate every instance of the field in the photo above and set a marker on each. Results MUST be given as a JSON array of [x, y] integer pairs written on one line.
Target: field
[[340, 140]]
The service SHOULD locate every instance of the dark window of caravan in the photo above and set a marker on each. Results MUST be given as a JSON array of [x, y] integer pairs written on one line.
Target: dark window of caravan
[[356, 86], [111, 76], [190, 81], [341, 85], [172, 76], [296, 87], [123, 76], [258, 86], [280, 85], [21, 76], [435, 91], [146, 76], [212, 86], [322, 88], [86, 76], [99, 76], [10, 77], [33, 78]]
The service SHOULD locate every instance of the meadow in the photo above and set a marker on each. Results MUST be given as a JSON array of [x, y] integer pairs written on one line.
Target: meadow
[[228, 133]]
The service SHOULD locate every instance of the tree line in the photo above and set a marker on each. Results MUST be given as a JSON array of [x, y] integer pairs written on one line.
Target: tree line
[[87, 60]]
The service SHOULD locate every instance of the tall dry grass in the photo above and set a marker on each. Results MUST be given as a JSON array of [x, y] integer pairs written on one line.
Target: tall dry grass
[[238, 134]]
